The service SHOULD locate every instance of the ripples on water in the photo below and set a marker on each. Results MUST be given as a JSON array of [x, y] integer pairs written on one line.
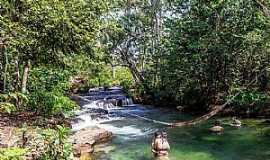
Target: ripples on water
[[133, 136]]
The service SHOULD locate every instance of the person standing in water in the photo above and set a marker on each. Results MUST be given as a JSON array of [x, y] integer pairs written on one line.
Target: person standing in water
[[217, 128], [160, 146], [236, 122], [155, 140]]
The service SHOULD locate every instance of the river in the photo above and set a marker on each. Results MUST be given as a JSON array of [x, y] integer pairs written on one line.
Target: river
[[132, 136]]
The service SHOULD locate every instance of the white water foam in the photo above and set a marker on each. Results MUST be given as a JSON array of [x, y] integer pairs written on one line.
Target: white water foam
[[85, 120]]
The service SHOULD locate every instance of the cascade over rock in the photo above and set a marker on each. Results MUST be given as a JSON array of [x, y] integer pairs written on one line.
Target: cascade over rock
[[96, 107]]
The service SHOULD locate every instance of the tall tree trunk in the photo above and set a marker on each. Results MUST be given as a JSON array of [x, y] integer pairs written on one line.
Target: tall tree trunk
[[5, 70], [195, 121], [113, 71], [135, 72], [143, 59], [17, 83], [25, 76]]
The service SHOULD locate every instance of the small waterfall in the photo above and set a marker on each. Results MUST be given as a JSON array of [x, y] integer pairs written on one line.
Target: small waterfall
[[129, 101], [101, 107], [126, 102], [109, 109]]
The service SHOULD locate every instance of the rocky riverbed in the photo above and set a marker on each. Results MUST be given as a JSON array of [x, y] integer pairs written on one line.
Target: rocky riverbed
[[86, 137], [95, 108]]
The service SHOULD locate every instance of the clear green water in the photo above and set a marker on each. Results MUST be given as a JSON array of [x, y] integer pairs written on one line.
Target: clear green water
[[249, 142]]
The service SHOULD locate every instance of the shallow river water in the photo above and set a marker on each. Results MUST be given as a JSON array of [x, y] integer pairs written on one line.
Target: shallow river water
[[132, 137]]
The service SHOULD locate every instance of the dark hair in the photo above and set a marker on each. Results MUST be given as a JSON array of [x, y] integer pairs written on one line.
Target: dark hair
[[157, 133], [164, 134], [217, 123]]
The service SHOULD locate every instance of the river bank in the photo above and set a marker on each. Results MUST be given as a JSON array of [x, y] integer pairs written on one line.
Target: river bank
[[253, 110], [29, 137]]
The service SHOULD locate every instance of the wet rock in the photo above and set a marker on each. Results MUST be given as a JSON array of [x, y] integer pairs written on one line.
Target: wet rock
[[105, 148], [180, 108], [217, 129], [85, 139], [80, 149], [236, 122], [91, 135]]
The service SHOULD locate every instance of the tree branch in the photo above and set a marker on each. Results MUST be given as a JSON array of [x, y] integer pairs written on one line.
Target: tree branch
[[264, 8]]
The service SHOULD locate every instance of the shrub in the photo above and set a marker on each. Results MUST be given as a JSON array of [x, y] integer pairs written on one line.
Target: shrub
[[51, 102], [47, 89], [12, 101], [7, 107], [249, 97], [56, 145], [12, 153]]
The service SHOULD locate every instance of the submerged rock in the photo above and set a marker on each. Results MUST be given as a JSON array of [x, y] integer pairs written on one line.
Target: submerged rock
[[104, 148]]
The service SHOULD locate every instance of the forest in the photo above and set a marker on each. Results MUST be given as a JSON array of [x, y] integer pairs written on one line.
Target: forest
[[203, 59]]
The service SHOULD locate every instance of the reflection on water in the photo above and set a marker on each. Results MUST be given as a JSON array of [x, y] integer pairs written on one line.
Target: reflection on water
[[133, 137]]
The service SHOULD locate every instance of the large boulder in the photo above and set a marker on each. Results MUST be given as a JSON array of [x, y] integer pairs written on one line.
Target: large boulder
[[84, 139], [79, 149]]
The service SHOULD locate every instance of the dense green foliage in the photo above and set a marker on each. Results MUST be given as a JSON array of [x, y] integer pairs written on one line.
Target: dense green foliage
[[184, 52], [217, 47], [173, 52], [43, 37], [56, 145], [47, 88], [192, 52]]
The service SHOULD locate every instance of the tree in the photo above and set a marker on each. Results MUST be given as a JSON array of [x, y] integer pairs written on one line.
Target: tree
[[43, 32], [218, 47]]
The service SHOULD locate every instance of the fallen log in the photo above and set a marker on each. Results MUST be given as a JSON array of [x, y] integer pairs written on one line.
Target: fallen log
[[215, 110], [205, 117]]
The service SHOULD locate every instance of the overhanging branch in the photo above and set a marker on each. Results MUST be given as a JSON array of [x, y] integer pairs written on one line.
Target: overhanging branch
[[264, 8]]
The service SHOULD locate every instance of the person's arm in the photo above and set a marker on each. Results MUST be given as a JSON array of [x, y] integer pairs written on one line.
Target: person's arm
[[153, 143], [166, 145], [154, 151], [153, 146], [169, 146]]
